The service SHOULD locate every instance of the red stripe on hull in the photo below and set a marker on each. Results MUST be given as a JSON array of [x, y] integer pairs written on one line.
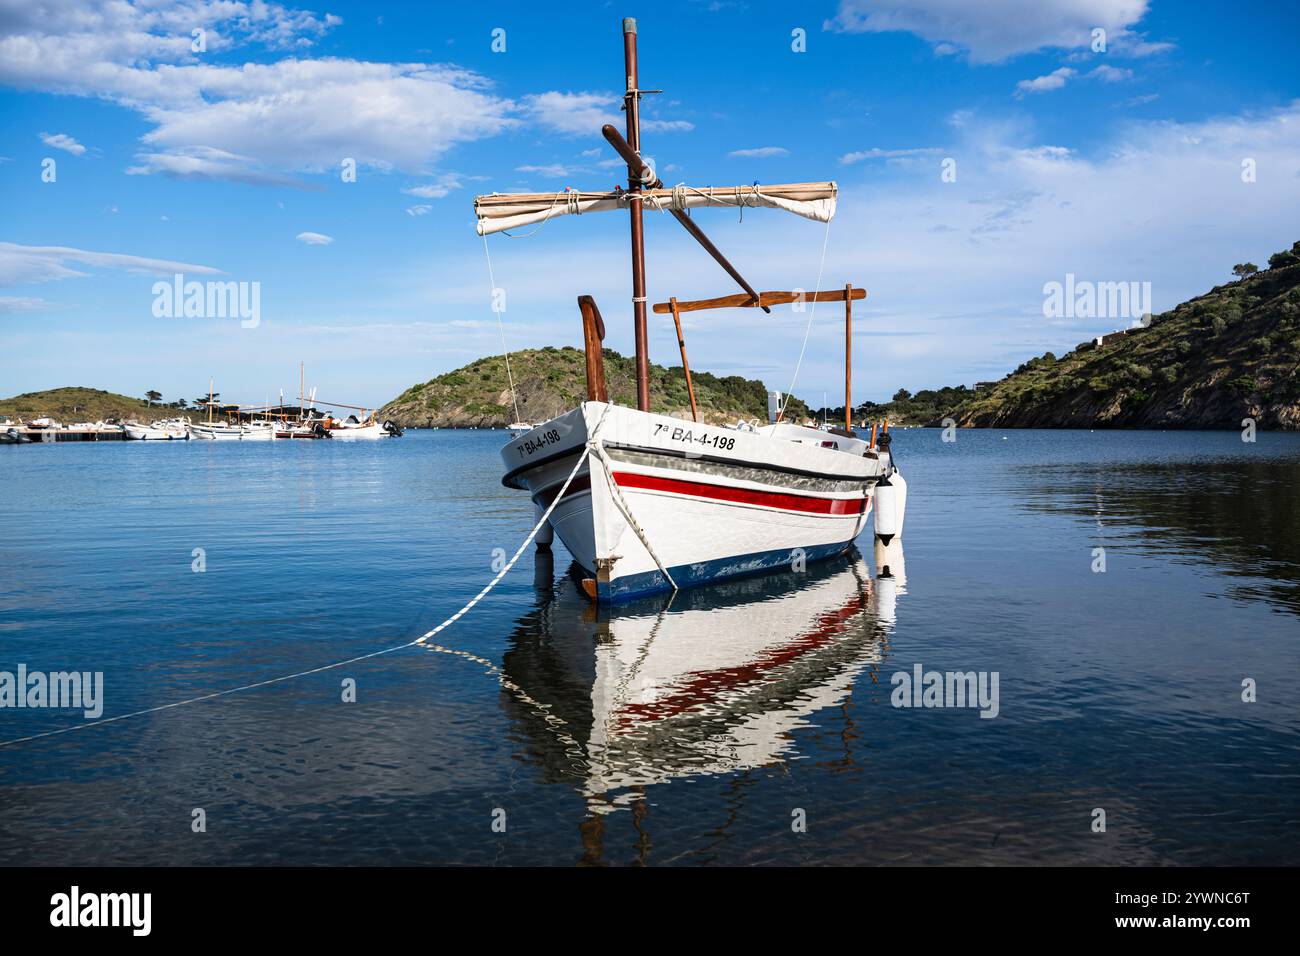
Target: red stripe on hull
[[766, 499]]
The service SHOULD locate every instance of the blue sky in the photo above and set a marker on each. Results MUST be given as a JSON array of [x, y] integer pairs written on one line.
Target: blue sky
[[1122, 165]]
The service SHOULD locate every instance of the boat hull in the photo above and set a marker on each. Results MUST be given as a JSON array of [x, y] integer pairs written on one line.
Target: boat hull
[[232, 432], [711, 502], [359, 432]]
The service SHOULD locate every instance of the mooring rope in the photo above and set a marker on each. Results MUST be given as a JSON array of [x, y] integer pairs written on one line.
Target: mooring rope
[[421, 640]]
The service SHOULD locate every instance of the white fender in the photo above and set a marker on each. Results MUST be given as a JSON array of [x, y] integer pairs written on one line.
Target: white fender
[[900, 496], [886, 508]]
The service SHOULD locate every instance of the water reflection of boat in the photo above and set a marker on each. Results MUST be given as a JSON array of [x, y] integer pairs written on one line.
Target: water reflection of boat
[[707, 681]]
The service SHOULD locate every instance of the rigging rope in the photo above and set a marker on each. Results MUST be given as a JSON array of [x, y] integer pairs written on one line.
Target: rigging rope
[[808, 328], [492, 291]]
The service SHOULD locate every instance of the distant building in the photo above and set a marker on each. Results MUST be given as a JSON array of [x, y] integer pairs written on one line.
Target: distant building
[[984, 386], [1109, 337]]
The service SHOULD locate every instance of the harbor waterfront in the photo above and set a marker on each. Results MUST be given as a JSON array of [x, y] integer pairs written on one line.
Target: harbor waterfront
[[1125, 604]]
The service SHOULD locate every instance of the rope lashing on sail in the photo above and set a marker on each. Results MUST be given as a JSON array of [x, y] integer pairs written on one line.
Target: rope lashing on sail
[[565, 197], [423, 639]]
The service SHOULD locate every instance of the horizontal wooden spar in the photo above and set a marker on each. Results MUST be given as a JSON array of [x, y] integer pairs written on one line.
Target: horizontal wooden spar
[[743, 301], [491, 204]]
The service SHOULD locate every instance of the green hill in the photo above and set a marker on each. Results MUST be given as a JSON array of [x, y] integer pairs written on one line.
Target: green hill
[[76, 404], [1216, 359], [552, 380]]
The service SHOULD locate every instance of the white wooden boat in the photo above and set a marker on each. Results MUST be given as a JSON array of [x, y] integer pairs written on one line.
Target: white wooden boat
[[216, 431], [352, 429], [661, 503], [712, 502]]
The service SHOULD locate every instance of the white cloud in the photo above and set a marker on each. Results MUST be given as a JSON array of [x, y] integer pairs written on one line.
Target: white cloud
[[573, 113], [1041, 84], [314, 238], [666, 126], [440, 188], [14, 305], [848, 159], [208, 163], [64, 142], [759, 152], [1058, 78], [419, 210], [584, 113], [257, 122], [550, 170], [20, 264], [994, 30], [1110, 74]]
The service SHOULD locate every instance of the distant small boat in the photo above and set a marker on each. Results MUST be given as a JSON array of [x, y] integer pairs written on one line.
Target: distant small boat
[[301, 430], [258, 431], [167, 430], [216, 431], [353, 428]]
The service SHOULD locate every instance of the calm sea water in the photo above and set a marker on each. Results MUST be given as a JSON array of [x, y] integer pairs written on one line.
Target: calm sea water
[[693, 731]]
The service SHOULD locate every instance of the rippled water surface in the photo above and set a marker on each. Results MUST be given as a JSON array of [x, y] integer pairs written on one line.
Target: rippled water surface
[[690, 731]]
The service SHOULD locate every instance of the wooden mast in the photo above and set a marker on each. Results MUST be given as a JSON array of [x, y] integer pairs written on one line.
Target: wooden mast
[[632, 105], [848, 357]]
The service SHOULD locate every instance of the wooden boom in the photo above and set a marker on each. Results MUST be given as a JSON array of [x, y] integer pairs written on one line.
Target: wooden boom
[[745, 301]]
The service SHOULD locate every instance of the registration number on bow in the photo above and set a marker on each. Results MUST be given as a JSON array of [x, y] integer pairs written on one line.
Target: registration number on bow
[[689, 436], [533, 445]]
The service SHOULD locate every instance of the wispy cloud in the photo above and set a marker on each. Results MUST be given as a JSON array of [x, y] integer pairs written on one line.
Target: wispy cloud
[[421, 209], [64, 142], [1043, 84], [20, 264], [15, 305], [314, 238], [860, 156], [1111, 74], [550, 170], [995, 30], [438, 189], [759, 152], [584, 113], [208, 163]]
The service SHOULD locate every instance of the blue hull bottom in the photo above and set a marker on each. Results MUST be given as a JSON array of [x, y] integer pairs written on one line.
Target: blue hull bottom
[[688, 575]]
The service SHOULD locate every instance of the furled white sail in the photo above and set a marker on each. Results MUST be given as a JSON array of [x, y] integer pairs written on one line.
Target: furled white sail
[[499, 211]]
